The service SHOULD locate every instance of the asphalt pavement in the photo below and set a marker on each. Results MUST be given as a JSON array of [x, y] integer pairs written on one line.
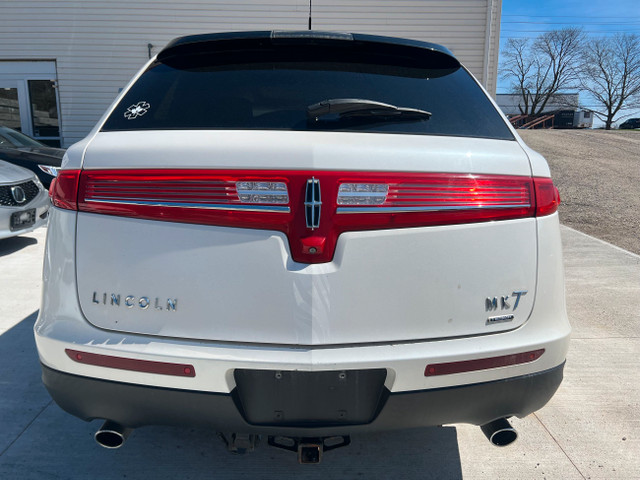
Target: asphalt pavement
[[589, 430]]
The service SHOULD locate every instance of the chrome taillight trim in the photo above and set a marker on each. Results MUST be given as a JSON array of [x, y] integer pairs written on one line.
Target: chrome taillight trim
[[362, 194], [248, 192], [376, 209], [207, 206]]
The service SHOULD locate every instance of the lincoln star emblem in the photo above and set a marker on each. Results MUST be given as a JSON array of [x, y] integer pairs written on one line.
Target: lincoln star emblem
[[18, 194], [137, 110], [312, 203]]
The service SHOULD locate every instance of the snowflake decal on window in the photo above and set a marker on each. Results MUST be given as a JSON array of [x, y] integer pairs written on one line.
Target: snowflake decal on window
[[137, 110]]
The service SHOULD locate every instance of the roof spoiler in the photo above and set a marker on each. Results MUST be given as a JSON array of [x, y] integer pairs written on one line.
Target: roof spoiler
[[195, 44]]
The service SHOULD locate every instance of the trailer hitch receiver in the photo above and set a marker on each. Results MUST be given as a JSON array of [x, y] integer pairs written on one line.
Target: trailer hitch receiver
[[309, 449]]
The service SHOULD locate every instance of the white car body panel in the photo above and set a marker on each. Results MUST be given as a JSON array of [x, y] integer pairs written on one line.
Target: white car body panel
[[303, 304], [289, 150], [61, 325], [265, 297]]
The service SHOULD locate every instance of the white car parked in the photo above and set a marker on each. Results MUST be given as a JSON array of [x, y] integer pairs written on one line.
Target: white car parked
[[24, 203], [302, 235]]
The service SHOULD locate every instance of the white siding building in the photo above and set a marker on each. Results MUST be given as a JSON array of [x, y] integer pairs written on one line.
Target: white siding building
[[511, 104], [63, 62]]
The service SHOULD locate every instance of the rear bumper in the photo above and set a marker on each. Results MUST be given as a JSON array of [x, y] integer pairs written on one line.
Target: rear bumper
[[138, 405]]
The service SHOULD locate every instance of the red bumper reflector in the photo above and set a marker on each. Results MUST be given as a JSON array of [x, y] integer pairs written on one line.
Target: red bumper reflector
[[481, 363], [146, 366]]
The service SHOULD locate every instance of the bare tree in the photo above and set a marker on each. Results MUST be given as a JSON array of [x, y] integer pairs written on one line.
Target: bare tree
[[517, 65], [539, 70], [610, 72]]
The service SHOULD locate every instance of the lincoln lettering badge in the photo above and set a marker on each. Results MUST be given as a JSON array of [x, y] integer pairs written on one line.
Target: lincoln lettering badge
[[131, 301]]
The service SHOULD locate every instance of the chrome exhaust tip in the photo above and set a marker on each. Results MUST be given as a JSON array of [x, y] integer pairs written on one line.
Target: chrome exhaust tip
[[112, 435], [500, 432]]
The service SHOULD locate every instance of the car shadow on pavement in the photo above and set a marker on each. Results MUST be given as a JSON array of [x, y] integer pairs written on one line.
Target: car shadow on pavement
[[38, 441], [15, 244]]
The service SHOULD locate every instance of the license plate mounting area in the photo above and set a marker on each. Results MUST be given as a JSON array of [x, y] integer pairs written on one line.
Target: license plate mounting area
[[310, 399], [21, 220]]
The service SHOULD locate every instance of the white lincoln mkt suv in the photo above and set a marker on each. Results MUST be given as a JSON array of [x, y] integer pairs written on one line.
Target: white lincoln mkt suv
[[297, 236]]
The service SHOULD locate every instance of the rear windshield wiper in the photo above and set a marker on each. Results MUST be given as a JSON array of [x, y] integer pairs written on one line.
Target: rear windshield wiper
[[362, 108]]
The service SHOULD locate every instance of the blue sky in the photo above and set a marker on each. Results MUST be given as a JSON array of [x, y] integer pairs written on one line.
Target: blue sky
[[597, 17], [529, 19]]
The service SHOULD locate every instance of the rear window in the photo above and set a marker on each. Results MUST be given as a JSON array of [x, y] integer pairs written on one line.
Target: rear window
[[271, 89]]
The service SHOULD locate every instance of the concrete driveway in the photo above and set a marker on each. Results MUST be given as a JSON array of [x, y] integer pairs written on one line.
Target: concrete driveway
[[589, 430]]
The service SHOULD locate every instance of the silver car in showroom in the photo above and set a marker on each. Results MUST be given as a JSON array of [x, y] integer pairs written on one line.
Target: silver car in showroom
[[24, 203]]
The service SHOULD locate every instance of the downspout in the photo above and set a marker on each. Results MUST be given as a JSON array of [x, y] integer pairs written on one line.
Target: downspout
[[491, 54]]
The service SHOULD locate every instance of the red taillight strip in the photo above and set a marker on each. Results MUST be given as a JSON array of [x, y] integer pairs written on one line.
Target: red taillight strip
[[547, 197], [450, 192], [210, 197], [64, 189], [146, 366], [201, 189], [482, 363]]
